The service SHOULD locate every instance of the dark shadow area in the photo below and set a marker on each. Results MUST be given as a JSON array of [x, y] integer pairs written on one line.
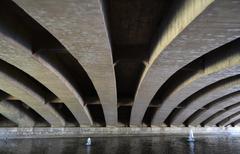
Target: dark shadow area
[[4, 122], [124, 114], [65, 113], [127, 78], [96, 111], [147, 119]]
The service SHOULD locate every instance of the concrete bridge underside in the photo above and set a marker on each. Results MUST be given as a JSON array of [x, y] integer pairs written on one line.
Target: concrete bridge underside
[[111, 63]]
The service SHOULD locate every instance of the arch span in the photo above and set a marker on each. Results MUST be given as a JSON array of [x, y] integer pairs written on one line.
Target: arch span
[[83, 32], [213, 109], [196, 40], [18, 84]]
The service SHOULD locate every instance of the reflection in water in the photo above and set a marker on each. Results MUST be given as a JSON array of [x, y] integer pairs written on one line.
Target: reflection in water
[[191, 148], [123, 145]]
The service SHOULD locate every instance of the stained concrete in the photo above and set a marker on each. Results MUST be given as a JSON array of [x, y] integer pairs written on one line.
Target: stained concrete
[[15, 114], [17, 55], [80, 27], [217, 107], [214, 93], [19, 85], [38, 132], [217, 25]]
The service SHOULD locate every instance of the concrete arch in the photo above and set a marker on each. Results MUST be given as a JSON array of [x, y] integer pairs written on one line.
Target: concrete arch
[[20, 86], [218, 65], [22, 58], [15, 114], [218, 106], [218, 89], [83, 32], [230, 119], [235, 123], [223, 115], [201, 35]]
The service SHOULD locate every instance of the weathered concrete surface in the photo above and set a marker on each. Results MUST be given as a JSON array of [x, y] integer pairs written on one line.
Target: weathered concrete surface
[[80, 26], [217, 90], [15, 114], [217, 25], [223, 116], [20, 86], [103, 131], [216, 67], [21, 57], [219, 105]]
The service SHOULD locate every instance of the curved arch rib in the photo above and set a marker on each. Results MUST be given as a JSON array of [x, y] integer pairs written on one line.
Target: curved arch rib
[[15, 114], [21, 87], [222, 116], [46, 74], [220, 89], [230, 119], [219, 106], [80, 26], [200, 37], [218, 65], [235, 123]]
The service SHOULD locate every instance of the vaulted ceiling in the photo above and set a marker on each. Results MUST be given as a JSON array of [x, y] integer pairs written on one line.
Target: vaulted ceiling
[[121, 63]]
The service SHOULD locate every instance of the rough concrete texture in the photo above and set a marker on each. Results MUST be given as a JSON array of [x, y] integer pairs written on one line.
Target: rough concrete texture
[[205, 77], [15, 114], [22, 58], [20, 86], [214, 93], [175, 62], [103, 131], [205, 33], [219, 105], [80, 26], [223, 116]]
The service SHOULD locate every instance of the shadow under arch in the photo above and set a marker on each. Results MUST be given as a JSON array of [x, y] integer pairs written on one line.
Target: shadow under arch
[[16, 24]]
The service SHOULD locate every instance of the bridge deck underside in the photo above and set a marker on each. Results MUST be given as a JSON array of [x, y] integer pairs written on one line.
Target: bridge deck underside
[[101, 63]]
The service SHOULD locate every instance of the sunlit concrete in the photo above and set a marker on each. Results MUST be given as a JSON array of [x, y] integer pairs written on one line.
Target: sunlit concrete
[[213, 28]]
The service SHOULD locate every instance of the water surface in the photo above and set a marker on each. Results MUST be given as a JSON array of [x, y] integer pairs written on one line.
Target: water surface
[[124, 145]]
